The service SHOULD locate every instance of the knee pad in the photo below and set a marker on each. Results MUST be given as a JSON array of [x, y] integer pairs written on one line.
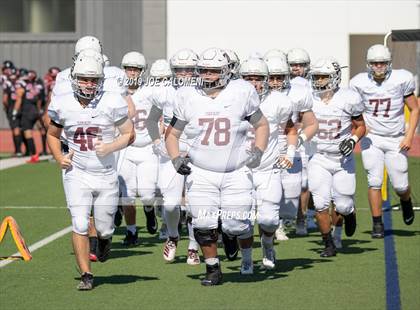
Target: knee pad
[[374, 182], [205, 236], [320, 203], [171, 208], [267, 223], [401, 189], [289, 208], [241, 229], [80, 225], [148, 201], [104, 231], [344, 205]]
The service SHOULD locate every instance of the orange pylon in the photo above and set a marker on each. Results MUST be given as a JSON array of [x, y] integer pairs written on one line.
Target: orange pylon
[[10, 222]]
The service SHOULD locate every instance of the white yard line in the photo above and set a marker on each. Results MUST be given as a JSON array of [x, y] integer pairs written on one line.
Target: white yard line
[[39, 244], [15, 162]]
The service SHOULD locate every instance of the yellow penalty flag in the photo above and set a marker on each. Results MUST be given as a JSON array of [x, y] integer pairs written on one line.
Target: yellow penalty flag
[[10, 222]]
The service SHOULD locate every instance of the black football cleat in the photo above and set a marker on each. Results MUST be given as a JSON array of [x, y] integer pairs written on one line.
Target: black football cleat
[[104, 248], [151, 222], [377, 231], [350, 224], [213, 275], [329, 249], [131, 239], [407, 211], [230, 245], [86, 282]]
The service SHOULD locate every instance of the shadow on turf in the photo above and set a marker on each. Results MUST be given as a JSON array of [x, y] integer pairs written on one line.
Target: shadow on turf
[[120, 279], [283, 267], [349, 246], [397, 232]]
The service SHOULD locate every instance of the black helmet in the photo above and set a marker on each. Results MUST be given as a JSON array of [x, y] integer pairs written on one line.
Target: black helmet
[[23, 73], [7, 64]]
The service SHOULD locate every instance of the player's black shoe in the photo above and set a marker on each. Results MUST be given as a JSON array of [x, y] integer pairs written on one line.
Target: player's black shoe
[[104, 248], [86, 282], [329, 249], [350, 224], [377, 231], [230, 245], [118, 217], [151, 222], [213, 275], [131, 239], [407, 211]]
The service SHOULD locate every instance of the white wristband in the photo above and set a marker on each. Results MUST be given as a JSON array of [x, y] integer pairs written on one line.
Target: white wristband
[[303, 136], [355, 138], [291, 150]]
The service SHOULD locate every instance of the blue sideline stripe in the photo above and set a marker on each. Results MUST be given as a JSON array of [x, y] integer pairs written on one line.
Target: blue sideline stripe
[[393, 300]]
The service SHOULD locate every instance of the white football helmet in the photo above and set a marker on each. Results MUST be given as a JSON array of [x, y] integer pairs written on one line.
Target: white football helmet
[[325, 67], [278, 66], [255, 67], [379, 53], [213, 59], [160, 69], [275, 53], [88, 64], [133, 59], [88, 42], [184, 58], [299, 56], [234, 63], [107, 62]]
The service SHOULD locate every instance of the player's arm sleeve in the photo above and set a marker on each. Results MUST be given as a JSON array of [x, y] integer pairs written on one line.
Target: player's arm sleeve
[[152, 122], [181, 112], [252, 107], [54, 113], [306, 104], [409, 85], [355, 107], [119, 113]]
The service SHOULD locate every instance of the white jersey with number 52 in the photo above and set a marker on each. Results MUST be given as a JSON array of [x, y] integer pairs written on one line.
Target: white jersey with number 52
[[335, 120], [214, 132], [384, 103], [84, 126]]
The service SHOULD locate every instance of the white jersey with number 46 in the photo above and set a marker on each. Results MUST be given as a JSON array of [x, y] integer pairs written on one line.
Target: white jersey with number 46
[[84, 126], [384, 103], [214, 132], [335, 120]]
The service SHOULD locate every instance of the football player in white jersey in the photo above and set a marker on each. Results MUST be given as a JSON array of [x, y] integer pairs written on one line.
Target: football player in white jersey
[[113, 82], [299, 63], [280, 154], [385, 92], [331, 169], [219, 175], [138, 165], [89, 117], [171, 184], [279, 79]]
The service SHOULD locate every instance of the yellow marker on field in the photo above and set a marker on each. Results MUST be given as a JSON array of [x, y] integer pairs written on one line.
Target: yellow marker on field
[[9, 222], [384, 188]]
